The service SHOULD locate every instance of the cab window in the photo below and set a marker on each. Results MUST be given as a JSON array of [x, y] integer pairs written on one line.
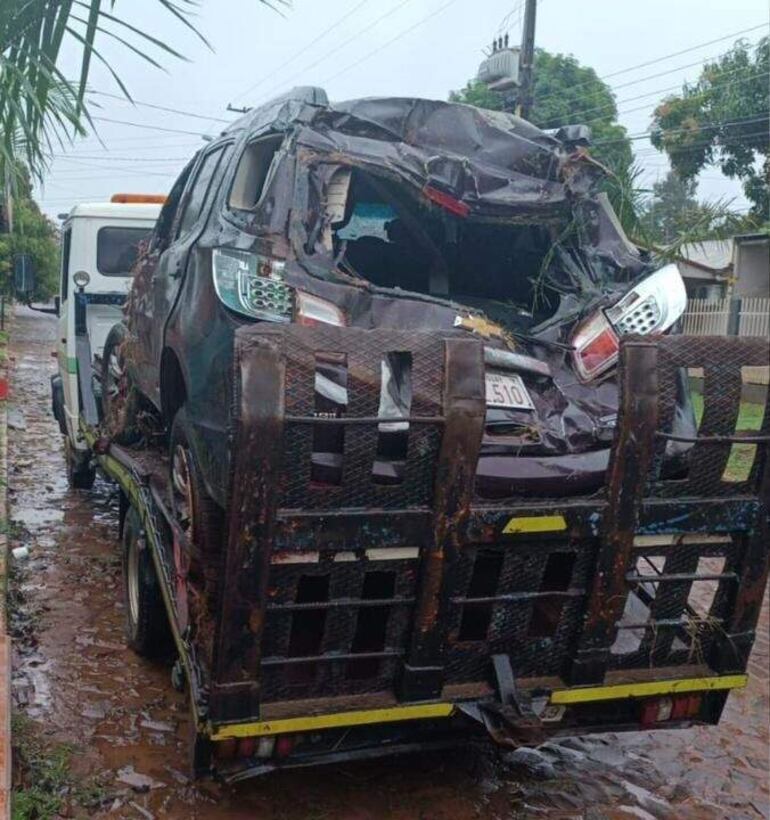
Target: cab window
[[117, 249], [197, 197]]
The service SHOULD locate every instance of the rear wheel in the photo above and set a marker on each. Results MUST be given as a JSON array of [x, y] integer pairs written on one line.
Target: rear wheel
[[120, 398], [80, 470], [201, 518], [147, 629]]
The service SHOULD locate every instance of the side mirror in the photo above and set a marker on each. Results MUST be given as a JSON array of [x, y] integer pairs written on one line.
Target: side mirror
[[57, 305], [24, 275]]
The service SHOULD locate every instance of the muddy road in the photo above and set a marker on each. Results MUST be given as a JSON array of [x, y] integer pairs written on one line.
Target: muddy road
[[127, 728]]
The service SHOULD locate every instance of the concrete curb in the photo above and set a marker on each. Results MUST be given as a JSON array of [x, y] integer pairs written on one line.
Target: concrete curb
[[5, 641]]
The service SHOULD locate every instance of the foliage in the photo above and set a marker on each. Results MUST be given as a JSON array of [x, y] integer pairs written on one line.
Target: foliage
[[36, 235], [39, 106], [564, 93], [46, 787], [673, 211], [722, 120]]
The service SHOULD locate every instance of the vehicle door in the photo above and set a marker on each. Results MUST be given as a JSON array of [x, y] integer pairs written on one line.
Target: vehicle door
[[169, 273], [65, 347]]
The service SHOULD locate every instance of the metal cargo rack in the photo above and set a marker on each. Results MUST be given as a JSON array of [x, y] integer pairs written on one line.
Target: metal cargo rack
[[354, 602]]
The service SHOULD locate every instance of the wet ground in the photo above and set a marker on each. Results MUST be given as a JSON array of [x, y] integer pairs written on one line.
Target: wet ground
[[78, 684]]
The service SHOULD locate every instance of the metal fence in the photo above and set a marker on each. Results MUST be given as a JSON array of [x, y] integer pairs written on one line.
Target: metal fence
[[749, 316], [706, 317]]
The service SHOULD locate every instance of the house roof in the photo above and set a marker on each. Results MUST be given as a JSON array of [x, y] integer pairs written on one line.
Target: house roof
[[712, 254]]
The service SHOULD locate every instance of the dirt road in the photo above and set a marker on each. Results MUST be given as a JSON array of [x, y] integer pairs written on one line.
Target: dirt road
[[125, 728]]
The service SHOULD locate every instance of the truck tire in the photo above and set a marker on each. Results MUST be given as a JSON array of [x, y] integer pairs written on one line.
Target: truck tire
[[198, 514], [121, 399], [80, 470], [147, 629]]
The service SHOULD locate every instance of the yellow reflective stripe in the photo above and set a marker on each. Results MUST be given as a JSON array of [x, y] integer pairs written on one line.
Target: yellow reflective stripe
[[641, 690], [306, 724], [535, 523]]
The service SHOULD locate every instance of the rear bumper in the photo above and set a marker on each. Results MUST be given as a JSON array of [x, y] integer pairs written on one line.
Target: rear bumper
[[366, 734]]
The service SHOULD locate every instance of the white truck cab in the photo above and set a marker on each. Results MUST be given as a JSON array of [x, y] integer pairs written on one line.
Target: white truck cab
[[99, 244]]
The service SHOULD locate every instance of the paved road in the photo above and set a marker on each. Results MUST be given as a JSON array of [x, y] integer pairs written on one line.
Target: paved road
[[76, 680]]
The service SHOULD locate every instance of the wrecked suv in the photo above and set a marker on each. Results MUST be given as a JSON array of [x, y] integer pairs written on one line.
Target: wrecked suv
[[400, 214]]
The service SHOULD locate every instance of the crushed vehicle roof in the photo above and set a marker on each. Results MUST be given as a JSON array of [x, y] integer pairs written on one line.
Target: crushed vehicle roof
[[491, 160]]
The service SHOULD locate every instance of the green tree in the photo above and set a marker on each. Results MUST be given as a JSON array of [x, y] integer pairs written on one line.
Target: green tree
[[673, 214], [565, 92], [33, 234], [722, 120]]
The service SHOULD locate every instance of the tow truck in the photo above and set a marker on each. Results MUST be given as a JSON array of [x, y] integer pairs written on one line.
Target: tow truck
[[631, 609]]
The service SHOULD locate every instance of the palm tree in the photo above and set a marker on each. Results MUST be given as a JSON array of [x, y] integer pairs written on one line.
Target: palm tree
[[39, 106]]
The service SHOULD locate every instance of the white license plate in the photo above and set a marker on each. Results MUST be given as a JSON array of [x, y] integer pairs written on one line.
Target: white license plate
[[507, 391]]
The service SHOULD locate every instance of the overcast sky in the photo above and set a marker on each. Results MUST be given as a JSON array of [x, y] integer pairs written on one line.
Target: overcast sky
[[373, 47]]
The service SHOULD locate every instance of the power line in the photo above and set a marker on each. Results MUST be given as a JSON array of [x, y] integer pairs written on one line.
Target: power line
[[661, 59], [157, 107], [302, 50], [148, 127], [327, 54], [707, 127], [582, 113], [391, 41]]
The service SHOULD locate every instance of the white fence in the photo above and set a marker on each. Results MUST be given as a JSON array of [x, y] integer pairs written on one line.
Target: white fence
[[711, 317], [706, 317], [755, 317]]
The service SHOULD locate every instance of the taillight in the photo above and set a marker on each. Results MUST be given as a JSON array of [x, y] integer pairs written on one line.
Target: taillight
[[312, 310], [252, 285], [652, 306], [446, 201], [678, 707], [596, 346]]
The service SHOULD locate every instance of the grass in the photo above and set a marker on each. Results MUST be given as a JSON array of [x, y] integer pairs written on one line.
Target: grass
[[741, 455], [44, 786]]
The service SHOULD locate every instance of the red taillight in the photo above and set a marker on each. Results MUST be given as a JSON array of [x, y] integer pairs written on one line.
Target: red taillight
[[284, 744], [659, 710], [596, 346], [447, 202], [247, 746]]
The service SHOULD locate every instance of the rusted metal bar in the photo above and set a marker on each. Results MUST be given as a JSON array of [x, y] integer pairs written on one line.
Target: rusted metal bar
[[627, 477], [258, 406], [465, 411]]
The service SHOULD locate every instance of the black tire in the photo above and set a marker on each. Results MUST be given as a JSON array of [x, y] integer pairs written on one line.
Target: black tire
[[147, 629], [81, 472], [121, 400], [198, 513]]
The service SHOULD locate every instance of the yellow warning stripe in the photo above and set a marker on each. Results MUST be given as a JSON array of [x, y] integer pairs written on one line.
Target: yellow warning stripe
[[535, 523], [586, 694], [312, 722]]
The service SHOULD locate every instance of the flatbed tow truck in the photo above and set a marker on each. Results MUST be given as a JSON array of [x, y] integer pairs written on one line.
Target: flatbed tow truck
[[374, 621]]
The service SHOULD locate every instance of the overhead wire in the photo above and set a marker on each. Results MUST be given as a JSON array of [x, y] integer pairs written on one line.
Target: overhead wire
[[301, 51], [390, 42]]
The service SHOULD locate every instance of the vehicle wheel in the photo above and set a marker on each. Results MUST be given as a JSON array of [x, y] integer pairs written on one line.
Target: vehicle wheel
[[147, 629], [198, 514], [80, 470], [120, 398]]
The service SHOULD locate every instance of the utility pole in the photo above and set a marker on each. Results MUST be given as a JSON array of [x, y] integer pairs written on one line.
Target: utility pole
[[527, 60]]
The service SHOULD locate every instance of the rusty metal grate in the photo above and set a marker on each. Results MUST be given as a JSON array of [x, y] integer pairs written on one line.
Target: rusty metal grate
[[679, 600], [337, 626], [521, 599]]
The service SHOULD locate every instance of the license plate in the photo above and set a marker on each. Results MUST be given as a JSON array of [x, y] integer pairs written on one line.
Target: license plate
[[507, 391]]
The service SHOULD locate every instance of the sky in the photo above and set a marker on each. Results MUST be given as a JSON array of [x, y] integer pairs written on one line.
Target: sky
[[355, 48]]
